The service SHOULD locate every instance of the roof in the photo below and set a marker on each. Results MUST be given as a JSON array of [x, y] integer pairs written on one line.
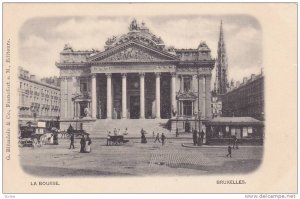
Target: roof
[[234, 121]]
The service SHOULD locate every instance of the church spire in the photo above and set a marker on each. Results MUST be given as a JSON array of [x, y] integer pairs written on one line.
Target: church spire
[[221, 83]]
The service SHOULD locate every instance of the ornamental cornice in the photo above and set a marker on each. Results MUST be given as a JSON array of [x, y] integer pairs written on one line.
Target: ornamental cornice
[[67, 65], [136, 62]]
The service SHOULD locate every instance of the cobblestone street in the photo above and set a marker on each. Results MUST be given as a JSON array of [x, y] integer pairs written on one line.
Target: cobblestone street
[[134, 158]]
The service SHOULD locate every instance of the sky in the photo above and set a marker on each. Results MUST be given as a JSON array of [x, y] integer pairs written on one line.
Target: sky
[[42, 39]]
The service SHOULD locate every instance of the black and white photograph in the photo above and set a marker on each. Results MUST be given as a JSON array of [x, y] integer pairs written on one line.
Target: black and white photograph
[[137, 95]]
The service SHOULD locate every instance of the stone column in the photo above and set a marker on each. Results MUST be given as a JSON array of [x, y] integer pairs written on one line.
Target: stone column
[[157, 96], [124, 96], [109, 97], [78, 110], [142, 95], [192, 108], [94, 96], [173, 93], [204, 97], [74, 112]]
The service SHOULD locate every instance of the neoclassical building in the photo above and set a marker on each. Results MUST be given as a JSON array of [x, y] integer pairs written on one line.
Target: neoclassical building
[[136, 77]]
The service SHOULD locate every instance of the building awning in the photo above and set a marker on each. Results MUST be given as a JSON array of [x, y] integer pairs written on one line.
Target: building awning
[[236, 121]]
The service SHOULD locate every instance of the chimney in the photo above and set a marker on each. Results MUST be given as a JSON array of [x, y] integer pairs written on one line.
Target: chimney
[[252, 76], [237, 84], [245, 80]]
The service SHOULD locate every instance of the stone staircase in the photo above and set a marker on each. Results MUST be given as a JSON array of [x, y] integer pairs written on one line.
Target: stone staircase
[[134, 126]]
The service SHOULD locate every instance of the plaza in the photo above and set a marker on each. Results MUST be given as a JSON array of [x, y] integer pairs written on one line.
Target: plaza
[[136, 159]]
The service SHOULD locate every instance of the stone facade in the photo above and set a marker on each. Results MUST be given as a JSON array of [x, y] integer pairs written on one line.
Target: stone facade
[[136, 76], [38, 100], [245, 99]]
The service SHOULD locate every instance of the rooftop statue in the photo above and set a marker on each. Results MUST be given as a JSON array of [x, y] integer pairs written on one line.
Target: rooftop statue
[[111, 40], [133, 25]]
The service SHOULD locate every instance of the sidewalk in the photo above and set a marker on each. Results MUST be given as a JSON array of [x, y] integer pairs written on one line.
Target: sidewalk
[[190, 145]]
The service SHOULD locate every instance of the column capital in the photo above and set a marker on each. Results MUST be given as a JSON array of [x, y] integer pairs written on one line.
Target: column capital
[[108, 74], [157, 74], [124, 74], [173, 74], [93, 75], [63, 77], [141, 74], [200, 76]]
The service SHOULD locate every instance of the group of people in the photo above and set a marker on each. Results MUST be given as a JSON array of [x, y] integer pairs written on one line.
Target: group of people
[[116, 132], [157, 138], [85, 141], [198, 137], [162, 137]]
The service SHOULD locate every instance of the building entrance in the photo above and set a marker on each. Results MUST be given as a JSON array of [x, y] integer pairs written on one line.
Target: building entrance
[[134, 107]]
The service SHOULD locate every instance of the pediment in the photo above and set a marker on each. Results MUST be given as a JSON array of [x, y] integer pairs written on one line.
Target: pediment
[[133, 52], [186, 95]]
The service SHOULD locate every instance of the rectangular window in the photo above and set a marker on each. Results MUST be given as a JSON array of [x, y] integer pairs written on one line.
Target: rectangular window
[[187, 108], [187, 83], [83, 86]]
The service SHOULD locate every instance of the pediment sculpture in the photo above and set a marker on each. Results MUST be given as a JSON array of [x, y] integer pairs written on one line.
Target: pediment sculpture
[[132, 54]]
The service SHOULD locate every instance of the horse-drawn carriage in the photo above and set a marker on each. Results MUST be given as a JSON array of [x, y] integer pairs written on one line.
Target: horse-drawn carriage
[[116, 140], [30, 135]]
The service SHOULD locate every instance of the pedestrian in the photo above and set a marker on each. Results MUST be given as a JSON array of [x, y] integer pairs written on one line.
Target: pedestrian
[[195, 137], [177, 133], [108, 139], [125, 132], [235, 142], [199, 139], [229, 151], [70, 129], [157, 138], [143, 137], [82, 144], [153, 134], [202, 136], [55, 138], [51, 139], [72, 141], [88, 143], [163, 138]]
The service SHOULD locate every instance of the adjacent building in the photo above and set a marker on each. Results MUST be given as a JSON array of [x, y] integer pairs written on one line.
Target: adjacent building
[[136, 77], [246, 99], [38, 100]]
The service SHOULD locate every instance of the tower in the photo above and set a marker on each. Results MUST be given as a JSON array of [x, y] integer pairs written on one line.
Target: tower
[[221, 82]]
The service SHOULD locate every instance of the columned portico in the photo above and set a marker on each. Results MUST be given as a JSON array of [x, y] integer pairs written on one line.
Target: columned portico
[[124, 95], [142, 95], [157, 95], [109, 96]]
